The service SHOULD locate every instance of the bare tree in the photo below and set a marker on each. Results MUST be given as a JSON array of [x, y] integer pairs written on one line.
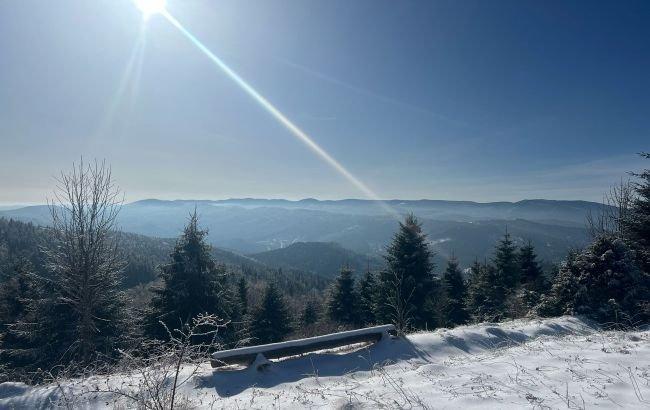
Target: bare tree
[[83, 258], [615, 212]]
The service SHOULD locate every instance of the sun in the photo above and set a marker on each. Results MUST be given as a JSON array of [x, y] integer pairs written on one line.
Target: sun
[[150, 7]]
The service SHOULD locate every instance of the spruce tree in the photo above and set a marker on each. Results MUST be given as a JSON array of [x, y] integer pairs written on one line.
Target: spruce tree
[[475, 297], [407, 285], [18, 297], [533, 284], [191, 284], [604, 281], [487, 292], [639, 224], [310, 313], [506, 263], [531, 272], [342, 305], [367, 291], [242, 295], [454, 311], [17, 287], [270, 320]]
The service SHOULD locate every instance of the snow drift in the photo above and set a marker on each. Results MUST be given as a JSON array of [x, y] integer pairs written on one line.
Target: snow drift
[[555, 363]]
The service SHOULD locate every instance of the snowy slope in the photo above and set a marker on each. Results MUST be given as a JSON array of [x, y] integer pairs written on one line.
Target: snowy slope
[[555, 363]]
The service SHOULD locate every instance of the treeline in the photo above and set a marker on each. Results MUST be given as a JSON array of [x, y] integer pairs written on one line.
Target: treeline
[[74, 309], [410, 294]]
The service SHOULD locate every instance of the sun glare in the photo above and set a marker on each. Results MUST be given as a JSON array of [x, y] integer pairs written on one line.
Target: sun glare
[[150, 7]]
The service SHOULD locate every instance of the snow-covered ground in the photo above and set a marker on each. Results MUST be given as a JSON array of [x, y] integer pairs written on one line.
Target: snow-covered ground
[[555, 363]]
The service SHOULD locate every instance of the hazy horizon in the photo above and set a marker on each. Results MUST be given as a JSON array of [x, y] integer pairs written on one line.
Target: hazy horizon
[[4, 205], [479, 101]]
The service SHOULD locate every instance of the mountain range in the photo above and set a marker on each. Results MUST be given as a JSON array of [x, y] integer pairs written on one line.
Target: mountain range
[[253, 227]]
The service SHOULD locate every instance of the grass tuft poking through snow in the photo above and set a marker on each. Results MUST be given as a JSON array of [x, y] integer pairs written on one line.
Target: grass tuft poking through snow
[[564, 362]]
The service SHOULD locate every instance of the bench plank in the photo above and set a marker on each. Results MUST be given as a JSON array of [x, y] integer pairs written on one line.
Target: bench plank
[[245, 355]]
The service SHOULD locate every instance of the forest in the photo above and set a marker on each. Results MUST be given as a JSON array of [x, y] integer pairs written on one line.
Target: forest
[[79, 294]]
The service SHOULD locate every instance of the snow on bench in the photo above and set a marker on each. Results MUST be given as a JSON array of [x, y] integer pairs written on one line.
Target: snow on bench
[[260, 354]]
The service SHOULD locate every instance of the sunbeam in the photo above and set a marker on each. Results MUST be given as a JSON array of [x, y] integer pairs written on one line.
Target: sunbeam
[[278, 115], [129, 84]]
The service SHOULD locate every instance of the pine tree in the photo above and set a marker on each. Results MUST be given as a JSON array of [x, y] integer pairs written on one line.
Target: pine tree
[[342, 305], [639, 224], [310, 313], [191, 284], [242, 294], [533, 284], [531, 272], [454, 311], [486, 295], [270, 321], [475, 297], [17, 287], [367, 291], [605, 282], [18, 296], [532, 276], [506, 263], [407, 285]]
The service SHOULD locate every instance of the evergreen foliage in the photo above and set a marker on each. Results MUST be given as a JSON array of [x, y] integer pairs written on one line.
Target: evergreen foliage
[[506, 263], [242, 295], [310, 313], [270, 321], [454, 311], [532, 275], [487, 293], [191, 284], [605, 282], [342, 305], [407, 285], [367, 291], [638, 224]]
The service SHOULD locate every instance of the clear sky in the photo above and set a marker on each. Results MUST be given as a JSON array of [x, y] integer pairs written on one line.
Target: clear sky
[[471, 100]]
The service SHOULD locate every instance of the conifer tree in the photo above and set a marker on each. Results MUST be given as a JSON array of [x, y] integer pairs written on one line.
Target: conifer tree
[[639, 224], [342, 305], [486, 294], [506, 263], [17, 287], [242, 295], [532, 276], [310, 313], [454, 311], [475, 297], [407, 285], [191, 284], [604, 281], [367, 292], [270, 321], [18, 297]]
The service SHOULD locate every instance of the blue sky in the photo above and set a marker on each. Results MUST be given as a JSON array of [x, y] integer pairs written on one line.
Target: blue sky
[[471, 100]]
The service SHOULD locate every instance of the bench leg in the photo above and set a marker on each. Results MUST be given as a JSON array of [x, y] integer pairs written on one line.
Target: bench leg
[[260, 363]]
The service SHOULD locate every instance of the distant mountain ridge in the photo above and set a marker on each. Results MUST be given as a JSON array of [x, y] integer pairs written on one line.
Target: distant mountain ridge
[[251, 226]]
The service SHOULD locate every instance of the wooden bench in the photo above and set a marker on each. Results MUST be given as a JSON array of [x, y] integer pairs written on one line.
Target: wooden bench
[[260, 354]]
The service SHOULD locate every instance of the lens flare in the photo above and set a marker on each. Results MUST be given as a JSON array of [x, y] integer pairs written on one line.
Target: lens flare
[[280, 117], [151, 7]]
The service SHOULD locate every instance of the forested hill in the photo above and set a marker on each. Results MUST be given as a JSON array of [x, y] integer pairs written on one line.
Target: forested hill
[[20, 241], [322, 258], [253, 226]]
